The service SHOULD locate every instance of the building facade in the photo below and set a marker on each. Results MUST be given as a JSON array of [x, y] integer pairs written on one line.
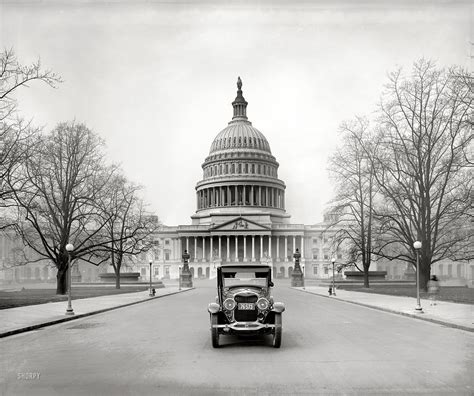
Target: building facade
[[240, 217]]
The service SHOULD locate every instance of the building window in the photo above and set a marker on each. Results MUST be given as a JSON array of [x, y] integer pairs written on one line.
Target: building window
[[167, 255], [315, 256], [156, 271], [167, 242], [315, 270], [315, 241], [325, 270], [339, 256], [143, 271]]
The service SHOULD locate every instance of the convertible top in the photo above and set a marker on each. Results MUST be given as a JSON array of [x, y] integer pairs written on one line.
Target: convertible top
[[254, 268]]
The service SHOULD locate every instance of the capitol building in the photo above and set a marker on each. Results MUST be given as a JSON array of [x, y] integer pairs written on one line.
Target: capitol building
[[240, 212], [240, 217]]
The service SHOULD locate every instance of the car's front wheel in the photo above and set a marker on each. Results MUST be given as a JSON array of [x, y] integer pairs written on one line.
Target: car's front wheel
[[214, 331], [277, 331]]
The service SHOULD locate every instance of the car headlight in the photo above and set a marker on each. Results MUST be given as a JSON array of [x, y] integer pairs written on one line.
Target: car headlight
[[229, 304], [262, 304]]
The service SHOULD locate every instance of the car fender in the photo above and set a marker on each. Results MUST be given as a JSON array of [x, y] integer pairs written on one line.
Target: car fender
[[278, 307], [213, 308]]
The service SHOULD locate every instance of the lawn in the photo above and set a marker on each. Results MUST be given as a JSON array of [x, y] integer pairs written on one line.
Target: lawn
[[463, 295], [19, 298]]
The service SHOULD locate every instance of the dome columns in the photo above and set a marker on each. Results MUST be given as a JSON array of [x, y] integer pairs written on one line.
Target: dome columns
[[241, 195]]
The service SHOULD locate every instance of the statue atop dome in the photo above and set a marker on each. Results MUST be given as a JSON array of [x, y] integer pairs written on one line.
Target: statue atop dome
[[239, 83]]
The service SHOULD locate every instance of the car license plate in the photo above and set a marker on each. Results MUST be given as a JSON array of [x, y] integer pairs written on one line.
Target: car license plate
[[246, 306]]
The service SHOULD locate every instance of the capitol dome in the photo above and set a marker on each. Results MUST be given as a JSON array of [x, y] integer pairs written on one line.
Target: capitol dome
[[240, 174]]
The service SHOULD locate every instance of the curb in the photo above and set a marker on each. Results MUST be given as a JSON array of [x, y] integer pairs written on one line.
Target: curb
[[406, 314], [83, 315]]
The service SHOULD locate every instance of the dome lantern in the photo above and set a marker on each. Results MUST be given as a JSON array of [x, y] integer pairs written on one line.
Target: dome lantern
[[239, 104]]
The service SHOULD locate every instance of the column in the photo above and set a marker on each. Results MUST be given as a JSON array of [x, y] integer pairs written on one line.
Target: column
[[180, 248], [261, 246], [195, 248], [236, 195], [187, 244], [228, 248], [236, 248], [302, 247], [203, 248], [211, 252], [286, 248], [266, 197], [244, 190], [228, 195], [251, 195], [270, 246], [278, 247], [253, 247], [220, 247], [245, 247], [294, 244]]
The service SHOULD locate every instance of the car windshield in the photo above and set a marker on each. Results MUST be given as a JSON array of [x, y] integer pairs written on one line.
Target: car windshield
[[245, 277]]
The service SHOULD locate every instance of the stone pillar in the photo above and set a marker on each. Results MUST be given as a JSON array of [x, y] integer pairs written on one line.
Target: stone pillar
[[286, 248], [195, 248], [297, 279], [245, 247], [253, 247], [228, 248], [244, 190], [251, 195], [278, 248], [220, 255], [186, 275], [211, 252], [187, 244], [270, 246], [302, 248], [236, 195], [266, 197], [261, 247], [203, 248], [294, 243], [236, 249]]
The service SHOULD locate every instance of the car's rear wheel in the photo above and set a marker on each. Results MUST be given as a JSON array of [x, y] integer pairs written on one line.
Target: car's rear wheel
[[214, 331], [277, 331]]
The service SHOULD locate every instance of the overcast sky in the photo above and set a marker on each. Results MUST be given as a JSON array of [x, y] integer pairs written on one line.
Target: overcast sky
[[156, 79]]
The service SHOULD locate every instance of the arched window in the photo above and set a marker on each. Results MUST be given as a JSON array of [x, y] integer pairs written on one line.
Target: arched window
[[240, 168], [232, 168], [245, 141], [226, 169]]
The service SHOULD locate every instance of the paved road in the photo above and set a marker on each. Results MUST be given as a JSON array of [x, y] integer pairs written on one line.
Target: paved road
[[163, 347]]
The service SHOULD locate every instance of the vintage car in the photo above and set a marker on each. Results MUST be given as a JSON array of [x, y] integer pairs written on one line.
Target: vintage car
[[244, 305]]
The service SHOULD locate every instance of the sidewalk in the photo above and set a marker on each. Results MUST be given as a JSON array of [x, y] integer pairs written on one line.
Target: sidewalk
[[31, 317], [455, 315]]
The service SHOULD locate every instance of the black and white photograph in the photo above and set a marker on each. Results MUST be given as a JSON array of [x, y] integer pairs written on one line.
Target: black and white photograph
[[236, 197]]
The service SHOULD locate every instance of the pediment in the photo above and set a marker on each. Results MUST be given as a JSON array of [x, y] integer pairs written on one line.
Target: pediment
[[240, 224]]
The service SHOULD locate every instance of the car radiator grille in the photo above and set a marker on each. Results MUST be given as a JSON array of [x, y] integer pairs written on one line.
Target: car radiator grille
[[245, 315]]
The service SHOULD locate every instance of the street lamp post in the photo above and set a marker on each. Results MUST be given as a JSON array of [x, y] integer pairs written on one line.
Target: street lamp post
[[333, 260], [69, 249], [417, 246], [151, 287], [179, 278]]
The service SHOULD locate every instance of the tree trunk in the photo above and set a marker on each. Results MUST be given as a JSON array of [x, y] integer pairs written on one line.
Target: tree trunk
[[61, 280], [366, 277], [117, 279]]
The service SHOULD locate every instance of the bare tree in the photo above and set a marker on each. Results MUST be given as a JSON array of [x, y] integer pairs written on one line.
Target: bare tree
[[56, 190], [353, 173], [14, 132], [127, 224], [423, 165]]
